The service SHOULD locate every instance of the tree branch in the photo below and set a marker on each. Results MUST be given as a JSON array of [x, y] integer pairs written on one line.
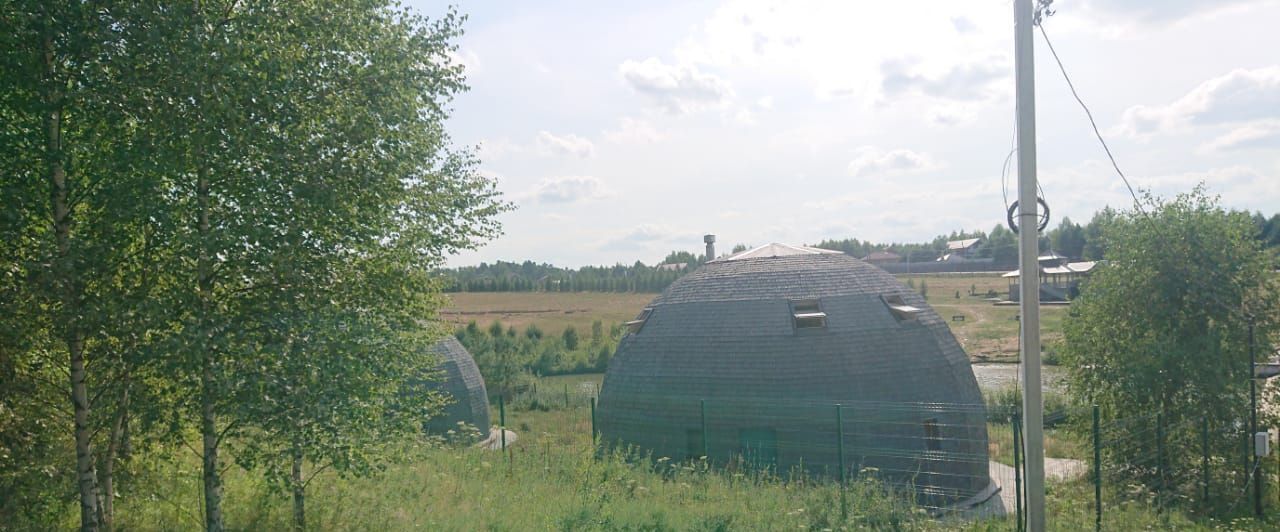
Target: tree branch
[[313, 474]]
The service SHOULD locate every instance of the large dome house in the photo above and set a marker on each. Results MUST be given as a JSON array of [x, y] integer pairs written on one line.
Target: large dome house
[[761, 355], [461, 381]]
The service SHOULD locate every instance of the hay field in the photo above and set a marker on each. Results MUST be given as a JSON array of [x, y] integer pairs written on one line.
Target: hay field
[[987, 332]]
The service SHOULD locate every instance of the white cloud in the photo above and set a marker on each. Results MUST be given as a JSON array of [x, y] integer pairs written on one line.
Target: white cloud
[[969, 81], [634, 131], [1261, 134], [639, 237], [1231, 177], [1162, 12], [545, 143], [677, 89], [570, 144], [765, 102], [498, 148], [742, 116], [568, 189], [962, 24], [836, 48], [951, 114], [870, 161], [467, 58], [1238, 96]]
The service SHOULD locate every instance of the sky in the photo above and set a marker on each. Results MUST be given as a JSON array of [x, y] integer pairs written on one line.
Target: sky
[[625, 130]]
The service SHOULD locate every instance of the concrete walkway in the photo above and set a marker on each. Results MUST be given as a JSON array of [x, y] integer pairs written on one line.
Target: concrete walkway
[[1055, 469], [494, 441]]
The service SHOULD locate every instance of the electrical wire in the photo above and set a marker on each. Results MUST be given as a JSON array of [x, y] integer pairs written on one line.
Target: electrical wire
[[1136, 202], [1244, 492]]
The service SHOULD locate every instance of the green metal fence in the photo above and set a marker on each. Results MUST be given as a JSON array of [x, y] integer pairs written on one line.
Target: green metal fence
[[950, 460]]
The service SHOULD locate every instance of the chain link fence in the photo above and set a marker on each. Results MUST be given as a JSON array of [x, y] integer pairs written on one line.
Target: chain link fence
[[948, 460]]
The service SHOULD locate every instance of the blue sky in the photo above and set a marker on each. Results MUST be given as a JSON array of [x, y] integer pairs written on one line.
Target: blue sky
[[624, 130]]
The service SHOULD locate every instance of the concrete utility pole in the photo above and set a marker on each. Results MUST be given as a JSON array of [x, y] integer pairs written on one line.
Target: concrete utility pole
[[1029, 266]]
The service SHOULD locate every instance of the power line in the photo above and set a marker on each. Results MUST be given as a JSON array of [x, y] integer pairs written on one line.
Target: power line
[[1136, 202]]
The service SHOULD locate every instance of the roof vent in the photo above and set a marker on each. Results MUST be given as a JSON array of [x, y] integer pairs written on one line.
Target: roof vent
[[808, 314], [900, 310], [635, 325]]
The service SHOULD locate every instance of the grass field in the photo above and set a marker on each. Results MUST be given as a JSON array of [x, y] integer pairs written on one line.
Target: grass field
[[551, 311], [550, 479], [987, 332]]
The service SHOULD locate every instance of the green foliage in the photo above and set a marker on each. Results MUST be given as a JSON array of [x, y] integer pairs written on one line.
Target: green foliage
[[1095, 243], [509, 363], [1068, 239], [267, 274], [1001, 246], [1163, 327], [528, 276], [570, 338], [597, 332]]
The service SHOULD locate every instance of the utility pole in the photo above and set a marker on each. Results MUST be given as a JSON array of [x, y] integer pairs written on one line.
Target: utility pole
[[1029, 266]]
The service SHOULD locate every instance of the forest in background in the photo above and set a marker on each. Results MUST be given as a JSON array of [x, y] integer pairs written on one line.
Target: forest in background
[[1077, 241]]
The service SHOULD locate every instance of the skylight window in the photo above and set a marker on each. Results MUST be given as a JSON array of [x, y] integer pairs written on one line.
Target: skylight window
[[635, 325], [900, 310], [808, 314]]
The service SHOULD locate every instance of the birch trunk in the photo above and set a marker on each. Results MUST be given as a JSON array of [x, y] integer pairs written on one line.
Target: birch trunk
[[68, 287], [208, 376], [299, 492], [109, 461]]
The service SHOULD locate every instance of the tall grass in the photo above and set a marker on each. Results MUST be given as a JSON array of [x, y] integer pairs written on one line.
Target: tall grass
[[552, 478]]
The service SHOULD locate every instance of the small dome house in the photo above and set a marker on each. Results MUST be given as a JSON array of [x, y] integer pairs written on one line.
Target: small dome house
[[796, 357], [461, 380]]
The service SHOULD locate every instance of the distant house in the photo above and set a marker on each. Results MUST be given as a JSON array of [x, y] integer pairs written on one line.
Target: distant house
[[671, 266], [883, 257], [1059, 277], [961, 250]]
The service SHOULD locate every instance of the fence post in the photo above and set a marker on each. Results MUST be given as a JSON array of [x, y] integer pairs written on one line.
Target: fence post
[[1160, 461], [502, 422], [1204, 458], [566, 396], [1017, 469], [1097, 468], [706, 453], [1245, 452], [840, 443], [593, 421], [844, 507]]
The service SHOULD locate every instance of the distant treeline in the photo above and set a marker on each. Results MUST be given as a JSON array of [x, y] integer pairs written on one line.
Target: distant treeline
[[529, 276], [1077, 241], [1081, 242]]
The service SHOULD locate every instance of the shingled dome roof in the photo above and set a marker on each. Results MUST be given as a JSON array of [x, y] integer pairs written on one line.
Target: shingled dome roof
[[469, 402], [766, 342]]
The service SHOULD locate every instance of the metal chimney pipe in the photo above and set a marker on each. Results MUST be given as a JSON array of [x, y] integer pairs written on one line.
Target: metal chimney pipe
[[711, 246]]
